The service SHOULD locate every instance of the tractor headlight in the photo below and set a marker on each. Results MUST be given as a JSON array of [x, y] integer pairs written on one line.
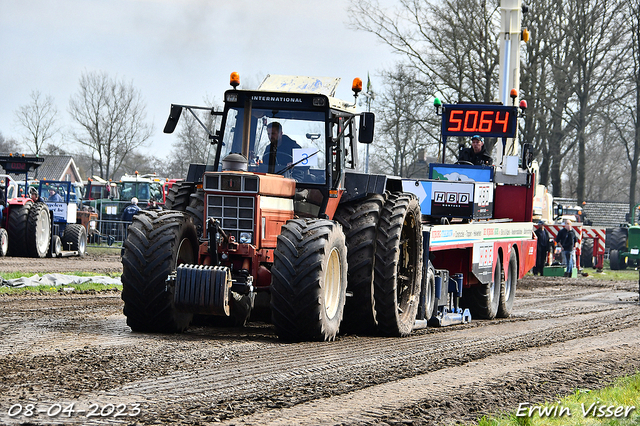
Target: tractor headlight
[[245, 237], [92, 224]]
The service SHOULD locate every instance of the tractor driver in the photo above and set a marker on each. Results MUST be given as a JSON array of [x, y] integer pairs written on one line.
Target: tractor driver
[[54, 197], [477, 154], [281, 147], [33, 194]]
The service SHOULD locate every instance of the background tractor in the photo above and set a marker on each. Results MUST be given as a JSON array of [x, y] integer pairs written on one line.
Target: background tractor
[[624, 243], [70, 225], [27, 224]]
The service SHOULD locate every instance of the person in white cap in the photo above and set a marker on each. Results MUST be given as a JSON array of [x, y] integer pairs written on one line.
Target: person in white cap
[[131, 210]]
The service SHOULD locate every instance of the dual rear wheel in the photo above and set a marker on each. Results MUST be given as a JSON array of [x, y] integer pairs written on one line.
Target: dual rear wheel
[[494, 299]]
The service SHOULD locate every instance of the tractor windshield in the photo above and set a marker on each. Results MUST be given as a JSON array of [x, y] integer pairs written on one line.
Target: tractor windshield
[[144, 191], [291, 143]]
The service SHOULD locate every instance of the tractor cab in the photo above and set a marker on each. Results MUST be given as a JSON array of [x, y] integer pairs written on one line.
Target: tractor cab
[[62, 198], [290, 127], [148, 189]]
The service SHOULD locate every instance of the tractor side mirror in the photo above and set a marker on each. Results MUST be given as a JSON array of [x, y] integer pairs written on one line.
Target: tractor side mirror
[[365, 130], [172, 121]]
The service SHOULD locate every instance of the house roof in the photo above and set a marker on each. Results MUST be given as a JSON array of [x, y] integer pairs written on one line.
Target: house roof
[[601, 213], [54, 167]]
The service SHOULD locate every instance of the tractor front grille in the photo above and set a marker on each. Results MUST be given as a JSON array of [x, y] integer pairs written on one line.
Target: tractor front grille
[[236, 214]]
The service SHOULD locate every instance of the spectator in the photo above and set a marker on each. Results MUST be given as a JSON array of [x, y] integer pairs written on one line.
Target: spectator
[[477, 154], [543, 247], [130, 211], [568, 240], [54, 197]]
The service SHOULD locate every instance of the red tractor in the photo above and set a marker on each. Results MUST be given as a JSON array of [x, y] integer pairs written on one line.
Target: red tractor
[[25, 225], [281, 222]]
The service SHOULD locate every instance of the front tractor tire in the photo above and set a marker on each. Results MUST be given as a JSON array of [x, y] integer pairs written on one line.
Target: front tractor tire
[[309, 280], [38, 231], [157, 242], [398, 264], [74, 238]]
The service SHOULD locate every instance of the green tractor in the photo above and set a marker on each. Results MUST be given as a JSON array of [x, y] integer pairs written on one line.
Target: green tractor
[[624, 243]]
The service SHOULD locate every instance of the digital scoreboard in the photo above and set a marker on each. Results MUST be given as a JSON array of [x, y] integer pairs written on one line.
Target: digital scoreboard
[[486, 120]]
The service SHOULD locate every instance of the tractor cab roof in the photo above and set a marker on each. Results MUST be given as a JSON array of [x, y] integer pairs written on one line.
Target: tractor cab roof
[[312, 85]]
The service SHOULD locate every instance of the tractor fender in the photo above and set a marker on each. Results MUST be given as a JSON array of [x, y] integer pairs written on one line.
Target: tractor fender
[[361, 185]]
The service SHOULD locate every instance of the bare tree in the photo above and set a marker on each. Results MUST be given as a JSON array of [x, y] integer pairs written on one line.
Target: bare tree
[[599, 59], [111, 116], [402, 144], [39, 122], [632, 144], [451, 45], [8, 145]]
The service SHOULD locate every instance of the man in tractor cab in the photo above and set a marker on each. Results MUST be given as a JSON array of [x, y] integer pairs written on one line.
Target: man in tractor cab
[[54, 197], [477, 154], [280, 150]]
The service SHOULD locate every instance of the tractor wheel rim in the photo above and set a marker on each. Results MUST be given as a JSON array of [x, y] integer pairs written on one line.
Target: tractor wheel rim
[[42, 231], [331, 289], [185, 253]]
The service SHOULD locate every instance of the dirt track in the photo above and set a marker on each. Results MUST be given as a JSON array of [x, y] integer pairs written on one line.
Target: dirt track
[[62, 349]]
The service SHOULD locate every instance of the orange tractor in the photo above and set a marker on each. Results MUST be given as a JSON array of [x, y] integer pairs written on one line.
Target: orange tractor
[[272, 221]]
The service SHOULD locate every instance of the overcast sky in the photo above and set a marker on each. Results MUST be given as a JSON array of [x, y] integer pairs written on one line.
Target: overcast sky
[[174, 51]]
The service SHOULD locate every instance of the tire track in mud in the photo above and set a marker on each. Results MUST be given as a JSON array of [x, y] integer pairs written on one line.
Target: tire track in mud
[[306, 365], [373, 403], [60, 322], [230, 373]]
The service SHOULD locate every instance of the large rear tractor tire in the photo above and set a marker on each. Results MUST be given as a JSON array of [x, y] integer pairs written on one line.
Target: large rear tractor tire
[[483, 300], [195, 209], [616, 238], [38, 231], [4, 242], [179, 195], [360, 222], [74, 238], [309, 280], [586, 255], [157, 242], [17, 229], [398, 264], [508, 288]]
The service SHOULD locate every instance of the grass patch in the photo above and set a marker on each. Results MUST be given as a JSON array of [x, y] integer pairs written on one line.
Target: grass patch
[[586, 408], [609, 275], [101, 250]]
